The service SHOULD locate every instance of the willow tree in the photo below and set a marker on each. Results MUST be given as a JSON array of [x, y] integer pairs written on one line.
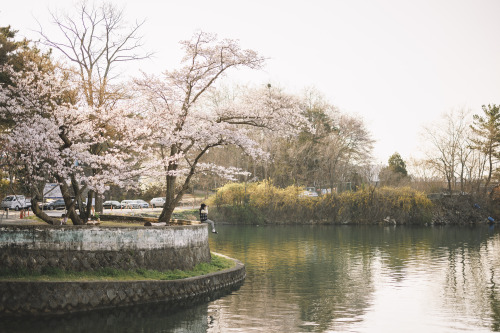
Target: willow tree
[[186, 124]]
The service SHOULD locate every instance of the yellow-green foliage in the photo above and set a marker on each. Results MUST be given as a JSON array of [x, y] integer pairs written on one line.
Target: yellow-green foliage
[[4, 187], [403, 205], [271, 204], [230, 194], [261, 195], [405, 198]]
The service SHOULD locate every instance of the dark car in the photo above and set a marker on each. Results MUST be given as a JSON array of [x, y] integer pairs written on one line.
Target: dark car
[[111, 204], [56, 204]]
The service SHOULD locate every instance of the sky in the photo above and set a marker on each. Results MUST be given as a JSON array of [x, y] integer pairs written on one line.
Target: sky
[[397, 64]]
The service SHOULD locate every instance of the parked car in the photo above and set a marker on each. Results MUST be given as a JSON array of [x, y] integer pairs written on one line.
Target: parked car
[[142, 203], [129, 204], [16, 202], [110, 204], [56, 204], [308, 194], [157, 202]]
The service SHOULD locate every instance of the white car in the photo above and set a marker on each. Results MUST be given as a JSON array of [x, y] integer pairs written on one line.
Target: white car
[[157, 202], [141, 204], [308, 194], [110, 204], [129, 204], [16, 202]]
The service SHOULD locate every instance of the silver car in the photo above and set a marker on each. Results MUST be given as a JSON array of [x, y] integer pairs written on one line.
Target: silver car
[[141, 204], [129, 204], [157, 202]]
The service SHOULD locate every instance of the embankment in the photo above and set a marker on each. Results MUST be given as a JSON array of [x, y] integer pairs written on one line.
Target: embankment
[[80, 248]]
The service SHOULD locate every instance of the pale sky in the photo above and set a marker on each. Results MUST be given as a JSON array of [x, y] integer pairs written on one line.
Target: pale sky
[[398, 64]]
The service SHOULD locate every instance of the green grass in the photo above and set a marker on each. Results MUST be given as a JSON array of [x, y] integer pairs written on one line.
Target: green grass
[[186, 214], [218, 263]]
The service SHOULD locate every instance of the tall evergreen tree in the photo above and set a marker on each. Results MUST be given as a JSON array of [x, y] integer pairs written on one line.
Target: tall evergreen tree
[[487, 139], [397, 165]]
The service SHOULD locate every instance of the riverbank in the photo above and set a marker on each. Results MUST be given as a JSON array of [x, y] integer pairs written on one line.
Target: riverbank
[[266, 204], [462, 209], [361, 208]]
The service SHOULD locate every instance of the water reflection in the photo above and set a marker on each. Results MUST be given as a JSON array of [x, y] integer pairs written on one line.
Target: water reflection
[[361, 279], [189, 315], [147, 318], [332, 279]]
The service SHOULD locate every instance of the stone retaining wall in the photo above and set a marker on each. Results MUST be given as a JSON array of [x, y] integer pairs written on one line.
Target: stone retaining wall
[[82, 248], [36, 298]]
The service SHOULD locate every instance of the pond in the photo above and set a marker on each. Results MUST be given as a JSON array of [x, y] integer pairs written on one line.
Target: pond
[[333, 279]]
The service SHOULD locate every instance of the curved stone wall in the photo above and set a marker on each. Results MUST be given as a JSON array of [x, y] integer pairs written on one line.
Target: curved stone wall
[[81, 248], [36, 298]]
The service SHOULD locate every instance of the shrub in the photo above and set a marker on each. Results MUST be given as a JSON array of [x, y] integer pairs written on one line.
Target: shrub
[[264, 203]]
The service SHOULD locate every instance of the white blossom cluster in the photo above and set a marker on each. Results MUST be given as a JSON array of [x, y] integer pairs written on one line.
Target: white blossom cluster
[[163, 128], [53, 138]]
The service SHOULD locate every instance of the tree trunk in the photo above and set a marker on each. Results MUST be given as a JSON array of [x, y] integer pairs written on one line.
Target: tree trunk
[[171, 200], [69, 203], [90, 198], [41, 214], [490, 171], [98, 203], [166, 213]]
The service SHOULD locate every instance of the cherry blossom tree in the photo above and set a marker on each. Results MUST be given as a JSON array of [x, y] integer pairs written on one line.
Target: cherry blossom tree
[[15, 53], [55, 131], [96, 40], [187, 118]]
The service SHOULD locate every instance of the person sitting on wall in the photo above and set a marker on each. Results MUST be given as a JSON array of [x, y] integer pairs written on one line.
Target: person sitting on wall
[[204, 217], [64, 219]]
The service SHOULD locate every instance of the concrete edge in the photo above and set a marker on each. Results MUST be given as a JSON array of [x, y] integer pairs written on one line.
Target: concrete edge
[[22, 298]]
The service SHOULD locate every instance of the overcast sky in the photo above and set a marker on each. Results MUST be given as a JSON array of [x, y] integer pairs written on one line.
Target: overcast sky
[[398, 64]]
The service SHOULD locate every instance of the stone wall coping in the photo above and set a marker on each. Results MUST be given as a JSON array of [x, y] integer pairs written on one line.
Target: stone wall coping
[[83, 238]]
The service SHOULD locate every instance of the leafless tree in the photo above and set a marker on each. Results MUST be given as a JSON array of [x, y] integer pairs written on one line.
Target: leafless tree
[[350, 144], [95, 40], [449, 146]]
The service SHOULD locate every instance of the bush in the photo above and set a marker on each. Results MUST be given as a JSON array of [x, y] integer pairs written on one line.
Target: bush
[[262, 202]]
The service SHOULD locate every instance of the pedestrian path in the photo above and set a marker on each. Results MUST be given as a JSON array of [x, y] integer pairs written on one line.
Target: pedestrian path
[[13, 217]]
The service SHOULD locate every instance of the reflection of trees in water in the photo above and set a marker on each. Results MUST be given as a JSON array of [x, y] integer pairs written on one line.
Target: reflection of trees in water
[[492, 261], [146, 318], [494, 300], [307, 278], [472, 285], [318, 275]]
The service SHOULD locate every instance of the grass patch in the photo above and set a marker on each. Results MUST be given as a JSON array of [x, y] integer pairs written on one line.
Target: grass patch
[[120, 224], [33, 218], [186, 214], [218, 263]]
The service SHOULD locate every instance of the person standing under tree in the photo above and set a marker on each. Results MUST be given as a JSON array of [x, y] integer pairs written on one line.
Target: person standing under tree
[[204, 217]]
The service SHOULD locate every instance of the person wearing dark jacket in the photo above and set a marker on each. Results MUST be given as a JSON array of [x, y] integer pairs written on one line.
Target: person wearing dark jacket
[[204, 217]]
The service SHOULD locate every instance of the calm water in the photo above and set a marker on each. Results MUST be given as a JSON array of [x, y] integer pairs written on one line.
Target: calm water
[[333, 279]]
